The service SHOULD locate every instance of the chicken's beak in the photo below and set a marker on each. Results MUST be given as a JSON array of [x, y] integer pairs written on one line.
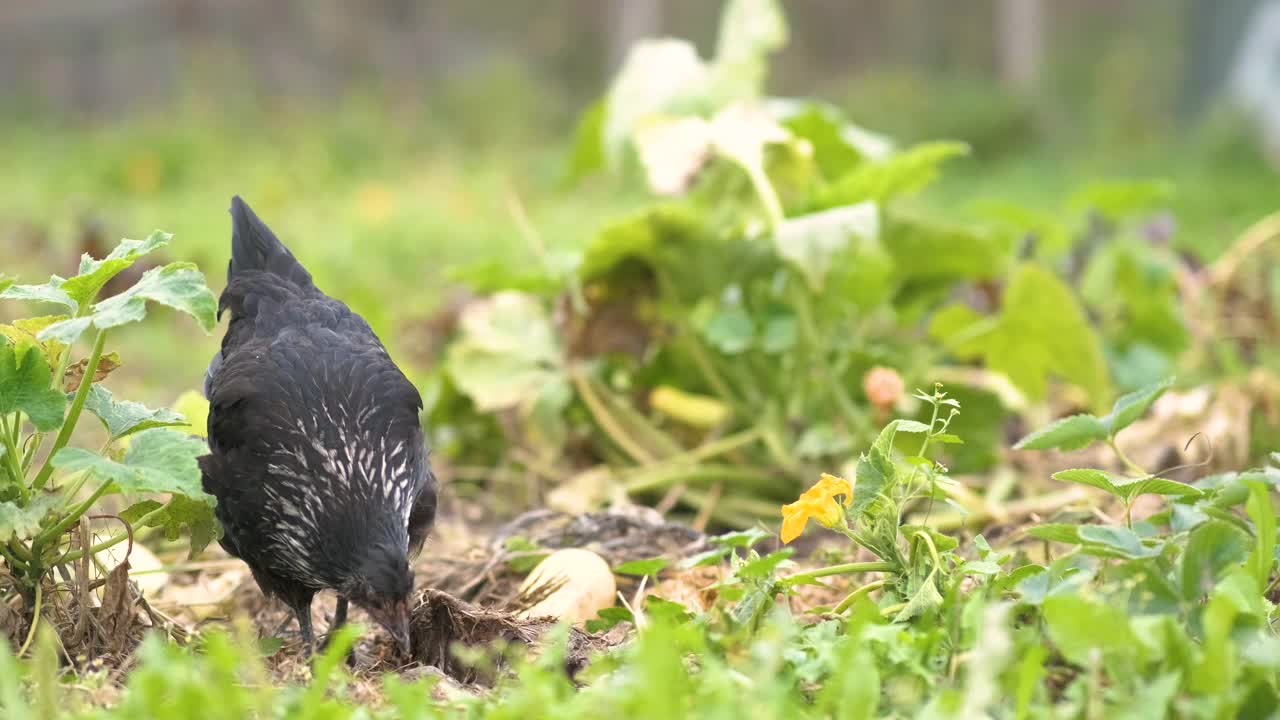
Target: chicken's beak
[[395, 619]]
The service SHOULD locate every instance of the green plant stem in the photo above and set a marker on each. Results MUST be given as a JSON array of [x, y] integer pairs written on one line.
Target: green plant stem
[[893, 609], [768, 196], [605, 419], [14, 459], [845, 569], [72, 517], [73, 415], [20, 551], [35, 441], [107, 544], [1135, 467], [852, 597], [35, 619], [9, 557]]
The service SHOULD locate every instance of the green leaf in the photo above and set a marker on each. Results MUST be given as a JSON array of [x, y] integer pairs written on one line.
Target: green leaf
[[1057, 532], [903, 173], [1116, 541], [94, 274], [709, 557], [651, 566], [194, 514], [1213, 548], [762, 567], [1117, 199], [925, 598], [742, 538], [730, 330], [50, 292], [1069, 433], [1124, 487], [780, 334], [1263, 514], [507, 354], [825, 129], [194, 409], [20, 523], [158, 460], [608, 618], [587, 154], [178, 285], [5, 282], [911, 426], [811, 243], [1041, 331], [1078, 626], [25, 386], [876, 474], [124, 417], [1132, 406]]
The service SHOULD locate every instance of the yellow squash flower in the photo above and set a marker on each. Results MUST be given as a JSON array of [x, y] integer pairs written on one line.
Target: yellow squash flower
[[818, 503]]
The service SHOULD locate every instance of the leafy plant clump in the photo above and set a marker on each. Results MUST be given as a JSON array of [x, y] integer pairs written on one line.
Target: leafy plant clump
[[757, 317], [48, 488]]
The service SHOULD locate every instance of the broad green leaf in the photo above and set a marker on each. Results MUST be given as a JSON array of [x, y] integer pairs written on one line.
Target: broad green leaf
[[178, 285], [730, 330], [26, 386], [1057, 532], [1213, 548], [94, 274], [876, 474], [181, 511], [903, 173], [1132, 406], [5, 282], [929, 250], [50, 292], [158, 460], [925, 598], [912, 426], [124, 417], [24, 333], [20, 523], [1133, 487], [812, 242], [1263, 514], [1117, 541], [888, 434], [651, 566], [1078, 626], [497, 381], [1041, 331], [1126, 487], [508, 353], [762, 567], [1069, 433], [823, 127]]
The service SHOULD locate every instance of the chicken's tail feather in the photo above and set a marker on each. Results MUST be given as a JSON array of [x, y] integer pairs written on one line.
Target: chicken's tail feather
[[255, 247]]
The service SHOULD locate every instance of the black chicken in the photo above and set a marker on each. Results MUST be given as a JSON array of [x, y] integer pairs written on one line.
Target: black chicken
[[317, 457]]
